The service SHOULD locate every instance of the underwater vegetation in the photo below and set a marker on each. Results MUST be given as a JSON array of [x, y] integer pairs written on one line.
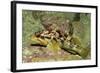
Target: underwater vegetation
[[55, 36]]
